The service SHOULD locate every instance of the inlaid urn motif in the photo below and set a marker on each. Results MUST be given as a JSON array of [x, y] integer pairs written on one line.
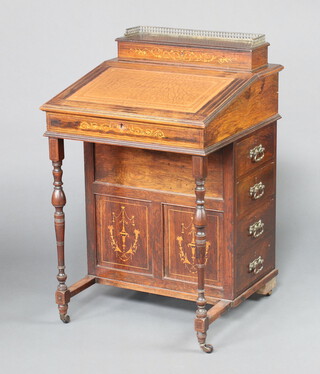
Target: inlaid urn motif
[[187, 246], [124, 244]]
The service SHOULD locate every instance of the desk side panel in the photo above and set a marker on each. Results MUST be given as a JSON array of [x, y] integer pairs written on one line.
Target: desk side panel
[[254, 106]]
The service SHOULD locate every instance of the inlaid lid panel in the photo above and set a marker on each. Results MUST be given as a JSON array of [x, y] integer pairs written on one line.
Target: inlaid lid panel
[[133, 88], [144, 91]]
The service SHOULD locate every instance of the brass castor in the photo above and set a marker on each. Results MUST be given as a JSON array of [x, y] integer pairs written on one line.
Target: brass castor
[[208, 348], [65, 318]]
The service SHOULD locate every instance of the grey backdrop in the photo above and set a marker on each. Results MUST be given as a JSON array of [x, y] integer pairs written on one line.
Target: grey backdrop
[[47, 45]]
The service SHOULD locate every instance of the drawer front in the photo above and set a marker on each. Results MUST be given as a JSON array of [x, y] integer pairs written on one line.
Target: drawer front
[[255, 227], [123, 132], [255, 263], [255, 189], [255, 150]]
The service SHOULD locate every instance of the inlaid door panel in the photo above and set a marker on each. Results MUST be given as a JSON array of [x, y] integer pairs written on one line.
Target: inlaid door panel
[[180, 249], [123, 239]]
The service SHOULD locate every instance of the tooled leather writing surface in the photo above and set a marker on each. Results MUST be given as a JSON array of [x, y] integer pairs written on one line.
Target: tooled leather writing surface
[[132, 88]]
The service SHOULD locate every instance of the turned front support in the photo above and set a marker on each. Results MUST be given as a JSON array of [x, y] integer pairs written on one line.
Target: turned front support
[[199, 168], [56, 153]]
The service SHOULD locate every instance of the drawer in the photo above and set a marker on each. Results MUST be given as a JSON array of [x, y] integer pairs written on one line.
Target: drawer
[[255, 263], [254, 150], [255, 189], [254, 227], [114, 131]]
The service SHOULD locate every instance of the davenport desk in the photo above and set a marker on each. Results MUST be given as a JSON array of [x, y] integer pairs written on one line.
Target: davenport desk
[[179, 136]]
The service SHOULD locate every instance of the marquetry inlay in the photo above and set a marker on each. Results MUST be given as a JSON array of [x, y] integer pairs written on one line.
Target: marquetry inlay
[[130, 129], [128, 246], [187, 246], [182, 55]]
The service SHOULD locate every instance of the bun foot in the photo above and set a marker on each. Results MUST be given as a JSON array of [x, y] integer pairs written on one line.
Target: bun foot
[[65, 318], [208, 348], [267, 289]]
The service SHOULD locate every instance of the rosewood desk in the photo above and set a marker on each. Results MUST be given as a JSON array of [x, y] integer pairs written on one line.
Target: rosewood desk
[[179, 136]]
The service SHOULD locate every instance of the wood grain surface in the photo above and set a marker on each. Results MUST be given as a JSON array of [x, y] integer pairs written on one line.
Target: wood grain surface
[[169, 130], [153, 170], [217, 57]]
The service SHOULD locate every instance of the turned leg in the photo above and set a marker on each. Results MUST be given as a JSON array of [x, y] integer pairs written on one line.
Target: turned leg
[[56, 150], [199, 166]]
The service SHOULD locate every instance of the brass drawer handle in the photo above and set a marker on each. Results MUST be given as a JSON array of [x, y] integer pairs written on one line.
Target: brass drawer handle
[[256, 229], [257, 153], [257, 191], [256, 265]]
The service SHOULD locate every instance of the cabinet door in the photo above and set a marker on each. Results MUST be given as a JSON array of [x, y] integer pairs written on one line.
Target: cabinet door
[[180, 249], [123, 239]]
